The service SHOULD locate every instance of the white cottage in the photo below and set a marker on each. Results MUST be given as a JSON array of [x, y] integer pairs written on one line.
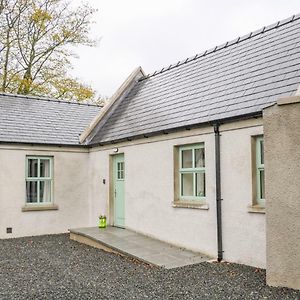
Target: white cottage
[[177, 155]]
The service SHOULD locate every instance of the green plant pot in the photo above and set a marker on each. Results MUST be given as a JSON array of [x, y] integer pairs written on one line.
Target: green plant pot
[[102, 222]]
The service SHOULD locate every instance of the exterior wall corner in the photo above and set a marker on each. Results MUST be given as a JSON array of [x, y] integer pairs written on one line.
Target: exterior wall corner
[[282, 164]]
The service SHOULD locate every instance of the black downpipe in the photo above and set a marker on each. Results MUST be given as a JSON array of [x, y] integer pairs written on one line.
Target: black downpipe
[[218, 192]]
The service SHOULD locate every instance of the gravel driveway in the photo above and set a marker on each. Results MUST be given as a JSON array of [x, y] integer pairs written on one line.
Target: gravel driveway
[[53, 267]]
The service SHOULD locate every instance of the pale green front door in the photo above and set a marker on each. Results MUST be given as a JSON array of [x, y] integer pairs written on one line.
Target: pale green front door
[[119, 178]]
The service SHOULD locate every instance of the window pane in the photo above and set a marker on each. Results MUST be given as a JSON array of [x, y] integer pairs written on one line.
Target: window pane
[[32, 167], [31, 191], [187, 158], [44, 168], [120, 175], [45, 191], [261, 145], [187, 184], [199, 158], [120, 170], [262, 183], [200, 184]]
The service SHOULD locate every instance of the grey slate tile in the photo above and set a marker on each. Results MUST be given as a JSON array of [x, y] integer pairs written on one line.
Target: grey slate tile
[[234, 79], [43, 121]]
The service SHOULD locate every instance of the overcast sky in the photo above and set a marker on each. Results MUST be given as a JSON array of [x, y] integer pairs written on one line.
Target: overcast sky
[[156, 33]]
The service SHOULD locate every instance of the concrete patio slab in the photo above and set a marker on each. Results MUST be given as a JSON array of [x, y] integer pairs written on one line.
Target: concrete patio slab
[[138, 246]]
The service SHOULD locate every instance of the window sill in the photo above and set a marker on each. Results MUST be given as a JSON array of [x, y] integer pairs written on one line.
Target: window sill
[[39, 207], [181, 204], [256, 209]]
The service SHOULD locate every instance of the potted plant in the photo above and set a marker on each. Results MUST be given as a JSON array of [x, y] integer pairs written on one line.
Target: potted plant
[[102, 221]]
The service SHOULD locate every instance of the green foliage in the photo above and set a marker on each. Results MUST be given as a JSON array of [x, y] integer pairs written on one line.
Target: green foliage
[[36, 38]]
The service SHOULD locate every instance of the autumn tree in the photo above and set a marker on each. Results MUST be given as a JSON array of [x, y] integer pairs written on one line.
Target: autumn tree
[[36, 40]]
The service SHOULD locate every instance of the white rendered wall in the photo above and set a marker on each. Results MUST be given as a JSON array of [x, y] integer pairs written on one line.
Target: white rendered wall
[[282, 140], [244, 235], [149, 192], [81, 195], [70, 192]]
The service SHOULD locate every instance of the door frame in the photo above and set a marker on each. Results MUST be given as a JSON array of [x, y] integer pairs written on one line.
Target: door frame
[[111, 206]]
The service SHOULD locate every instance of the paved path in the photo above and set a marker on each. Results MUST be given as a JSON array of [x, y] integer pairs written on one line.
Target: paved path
[[142, 247]]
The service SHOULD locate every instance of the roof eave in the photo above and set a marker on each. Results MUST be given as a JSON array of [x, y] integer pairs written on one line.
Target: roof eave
[[181, 128], [43, 144]]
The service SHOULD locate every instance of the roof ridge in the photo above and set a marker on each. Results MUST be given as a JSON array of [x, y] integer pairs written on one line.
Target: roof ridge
[[47, 99], [225, 45]]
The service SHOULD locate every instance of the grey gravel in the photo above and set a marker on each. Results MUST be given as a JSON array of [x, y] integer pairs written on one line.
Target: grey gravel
[[54, 267]]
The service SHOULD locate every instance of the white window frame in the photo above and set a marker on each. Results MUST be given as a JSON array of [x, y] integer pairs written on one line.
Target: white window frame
[[192, 170], [38, 179], [260, 167]]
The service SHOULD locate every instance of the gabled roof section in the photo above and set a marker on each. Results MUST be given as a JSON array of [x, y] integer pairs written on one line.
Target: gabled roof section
[[114, 101], [34, 120], [238, 78]]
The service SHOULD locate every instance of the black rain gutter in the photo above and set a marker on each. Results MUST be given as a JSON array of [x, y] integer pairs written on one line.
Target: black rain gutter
[[176, 129], [218, 191], [44, 144]]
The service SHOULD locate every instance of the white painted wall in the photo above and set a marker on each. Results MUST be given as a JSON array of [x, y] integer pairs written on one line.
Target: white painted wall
[[244, 233], [70, 192], [149, 192]]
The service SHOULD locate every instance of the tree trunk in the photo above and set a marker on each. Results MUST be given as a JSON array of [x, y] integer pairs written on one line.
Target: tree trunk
[[25, 85], [5, 65]]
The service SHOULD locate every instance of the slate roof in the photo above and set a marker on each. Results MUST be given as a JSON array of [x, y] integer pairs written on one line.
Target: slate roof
[[238, 78], [43, 121]]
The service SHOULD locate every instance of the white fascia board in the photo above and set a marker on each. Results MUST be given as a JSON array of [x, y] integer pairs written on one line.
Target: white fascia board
[[298, 91], [133, 77]]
